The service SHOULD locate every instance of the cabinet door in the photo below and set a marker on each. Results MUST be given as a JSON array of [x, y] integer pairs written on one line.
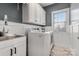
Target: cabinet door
[[25, 13], [38, 13], [29, 11], [32, 12], [7, 51], [43, 15], [20, 49]]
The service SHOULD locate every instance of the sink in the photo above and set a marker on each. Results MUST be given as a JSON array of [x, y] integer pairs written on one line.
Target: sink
[[5, 38], [9, 36], [14, 35]]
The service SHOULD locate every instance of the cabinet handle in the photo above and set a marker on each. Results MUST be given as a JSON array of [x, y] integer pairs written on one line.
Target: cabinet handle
[[15, 50], [11, 52]]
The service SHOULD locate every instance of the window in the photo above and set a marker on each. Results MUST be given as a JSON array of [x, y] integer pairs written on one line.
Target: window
[[59, 20], [59, 17]]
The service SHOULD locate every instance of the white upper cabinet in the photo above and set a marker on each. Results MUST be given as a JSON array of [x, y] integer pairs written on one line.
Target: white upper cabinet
[[33, 13]]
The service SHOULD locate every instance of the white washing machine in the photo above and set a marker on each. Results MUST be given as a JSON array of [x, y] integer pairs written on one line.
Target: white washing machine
[[39, 43]]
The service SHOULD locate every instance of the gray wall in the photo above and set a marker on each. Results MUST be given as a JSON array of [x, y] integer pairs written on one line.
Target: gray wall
[[11, 10], [54, 7]]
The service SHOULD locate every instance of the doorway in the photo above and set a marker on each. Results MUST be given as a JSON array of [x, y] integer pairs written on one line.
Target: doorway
[[60, 24]]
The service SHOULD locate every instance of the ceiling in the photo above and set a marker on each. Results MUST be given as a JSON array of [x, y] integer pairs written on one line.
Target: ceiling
[[45, 4]]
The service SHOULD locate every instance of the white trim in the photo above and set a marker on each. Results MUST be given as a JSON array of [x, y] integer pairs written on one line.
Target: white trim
[[66, 9]]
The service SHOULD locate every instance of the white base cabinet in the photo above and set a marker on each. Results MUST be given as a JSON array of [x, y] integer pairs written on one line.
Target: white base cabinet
[[20, 48], [13, 47], [6, 51]]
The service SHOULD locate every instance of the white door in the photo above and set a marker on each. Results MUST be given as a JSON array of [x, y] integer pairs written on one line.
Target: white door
[[60, 23], [7, 51]]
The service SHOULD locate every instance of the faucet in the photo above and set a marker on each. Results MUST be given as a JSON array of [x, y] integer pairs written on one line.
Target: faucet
[[5, 24]]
